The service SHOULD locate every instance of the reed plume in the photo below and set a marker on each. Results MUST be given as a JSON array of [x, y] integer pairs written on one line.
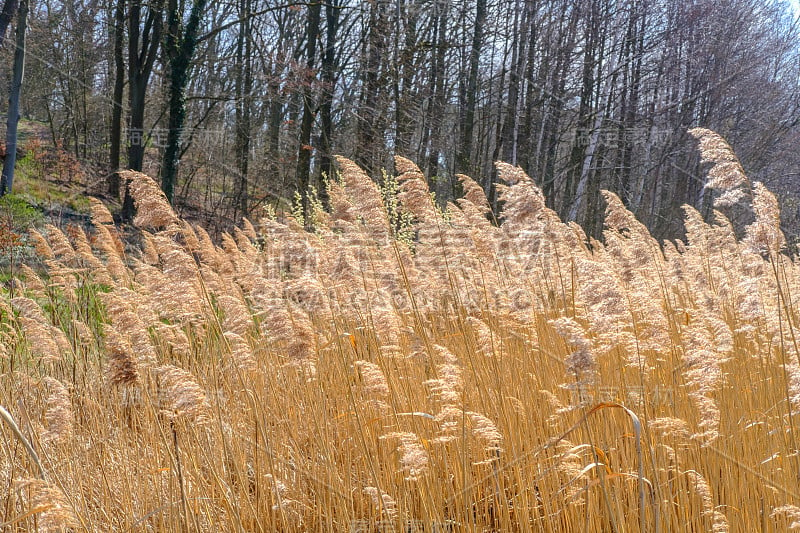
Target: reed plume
[[48, 503], [152, 208], [407, 362]]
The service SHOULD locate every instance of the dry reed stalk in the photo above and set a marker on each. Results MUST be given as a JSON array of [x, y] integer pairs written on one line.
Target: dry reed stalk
[[385, 504], [46, 341], [9, 420], [791, 512], [461, 337], [414, 458], [366, 199]]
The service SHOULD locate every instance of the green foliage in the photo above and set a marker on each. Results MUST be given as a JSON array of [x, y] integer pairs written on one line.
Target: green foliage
[[269, 212], [30, 165], [297, 208], [441, 210], [16, 217], [401, 221], [19, 213], [82, 304], [316, 209], [46, 176]]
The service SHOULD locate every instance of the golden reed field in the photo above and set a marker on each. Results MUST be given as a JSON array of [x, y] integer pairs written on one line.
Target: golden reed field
[[387, 366]]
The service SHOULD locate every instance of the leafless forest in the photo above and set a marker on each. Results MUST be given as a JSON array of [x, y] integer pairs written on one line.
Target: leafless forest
[[233, 106], [410, 266]]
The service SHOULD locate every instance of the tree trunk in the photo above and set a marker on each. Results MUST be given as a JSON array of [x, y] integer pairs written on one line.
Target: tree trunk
[[9, 8], [405, 104], [7, 179], [118, 30], [304, 152], [369, 133], [276, 113], [437, 110], [578, 153], [143, 43], [243, 88], [532, 102], [464, 159], [508, 135], [140, 64], [332, 9], [594, 139], [180, 46]]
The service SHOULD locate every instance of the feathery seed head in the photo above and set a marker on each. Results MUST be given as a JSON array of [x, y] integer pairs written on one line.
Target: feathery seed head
[[181, 396], [373, 377], [152, 208], [58, 415], [53, 511]]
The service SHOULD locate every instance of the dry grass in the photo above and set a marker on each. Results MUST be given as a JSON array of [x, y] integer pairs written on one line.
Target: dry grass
[[484, 378]]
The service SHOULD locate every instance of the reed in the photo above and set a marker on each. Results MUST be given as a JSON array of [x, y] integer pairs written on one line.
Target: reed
[[406, 367]]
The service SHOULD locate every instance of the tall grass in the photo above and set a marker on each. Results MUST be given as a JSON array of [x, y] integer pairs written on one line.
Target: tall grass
[[465, 377]]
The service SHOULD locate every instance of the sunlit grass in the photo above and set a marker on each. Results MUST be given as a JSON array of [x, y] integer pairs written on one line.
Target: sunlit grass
[[493, 378]]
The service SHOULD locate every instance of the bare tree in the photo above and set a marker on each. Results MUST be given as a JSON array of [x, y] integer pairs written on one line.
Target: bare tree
[[583, 96], [117, 29], [7, 179], [467, 126], [180, 45], [309, 109], [6, 16]]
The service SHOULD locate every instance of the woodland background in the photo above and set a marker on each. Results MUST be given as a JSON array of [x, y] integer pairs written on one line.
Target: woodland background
[[236, 106]]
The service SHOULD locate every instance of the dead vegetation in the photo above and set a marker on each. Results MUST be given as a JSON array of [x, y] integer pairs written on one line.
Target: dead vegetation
[[467, 376]]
